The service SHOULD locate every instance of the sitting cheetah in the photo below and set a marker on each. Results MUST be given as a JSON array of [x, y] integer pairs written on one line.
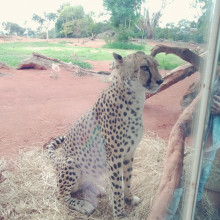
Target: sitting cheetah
[[106, 137]]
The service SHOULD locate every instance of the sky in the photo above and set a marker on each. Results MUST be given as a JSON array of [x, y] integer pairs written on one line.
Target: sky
[[19, 11]]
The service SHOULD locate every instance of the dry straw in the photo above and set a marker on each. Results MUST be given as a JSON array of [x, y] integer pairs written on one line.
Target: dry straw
[[28, 186]]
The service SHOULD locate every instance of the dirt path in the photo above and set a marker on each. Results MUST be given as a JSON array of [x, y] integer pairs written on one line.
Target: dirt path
[[35, 106]]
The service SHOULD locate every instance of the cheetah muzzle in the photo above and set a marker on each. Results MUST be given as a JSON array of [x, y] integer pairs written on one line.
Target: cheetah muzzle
[[106, 137]]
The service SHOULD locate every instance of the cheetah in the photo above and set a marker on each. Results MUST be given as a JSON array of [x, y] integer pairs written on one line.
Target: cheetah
[[106, 137]]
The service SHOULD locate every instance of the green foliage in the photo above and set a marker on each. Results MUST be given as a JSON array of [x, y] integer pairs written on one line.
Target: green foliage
[[204, 21], [44, 23], [187, 30], [13, 28], [101, 27], [123, 12], [73, 22], [124, 46], [123, 34], [52, 33], [30, 33], [181, 32]]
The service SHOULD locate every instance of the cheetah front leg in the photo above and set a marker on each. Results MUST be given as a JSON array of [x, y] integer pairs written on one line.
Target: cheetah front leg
[[127, 174], [115, 176]]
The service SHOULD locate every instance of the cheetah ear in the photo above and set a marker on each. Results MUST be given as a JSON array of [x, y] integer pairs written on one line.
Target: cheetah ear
[[118, 57]]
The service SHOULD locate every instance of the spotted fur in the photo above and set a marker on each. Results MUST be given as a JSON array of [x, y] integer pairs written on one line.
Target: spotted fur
[[106, 137]]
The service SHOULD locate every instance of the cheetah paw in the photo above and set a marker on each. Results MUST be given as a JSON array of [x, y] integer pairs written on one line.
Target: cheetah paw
[[87, 208], [98, 190], [121, 217], [133, 201], [102, 191]]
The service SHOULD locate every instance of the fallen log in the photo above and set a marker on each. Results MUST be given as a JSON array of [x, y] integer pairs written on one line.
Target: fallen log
[[35, 63], [79, 70]]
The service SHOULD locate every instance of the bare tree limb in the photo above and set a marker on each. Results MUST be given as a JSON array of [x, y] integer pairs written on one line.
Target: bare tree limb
[[181, 72], [183, 53]]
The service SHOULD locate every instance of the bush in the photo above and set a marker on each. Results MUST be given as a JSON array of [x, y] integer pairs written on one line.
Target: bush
[[123, 34], [124, 46]]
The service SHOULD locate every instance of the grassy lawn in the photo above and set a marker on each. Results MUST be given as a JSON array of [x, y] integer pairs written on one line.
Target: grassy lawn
[[14, 53]]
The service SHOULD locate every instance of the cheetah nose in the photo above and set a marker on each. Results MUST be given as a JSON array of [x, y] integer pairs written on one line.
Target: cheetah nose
[[159, 81]]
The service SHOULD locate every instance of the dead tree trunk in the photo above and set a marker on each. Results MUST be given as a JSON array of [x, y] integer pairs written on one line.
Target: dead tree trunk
[[173, 164], [152, 23]]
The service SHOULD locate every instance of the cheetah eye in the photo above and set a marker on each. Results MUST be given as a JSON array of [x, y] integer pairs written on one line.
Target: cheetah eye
[[145, 68]]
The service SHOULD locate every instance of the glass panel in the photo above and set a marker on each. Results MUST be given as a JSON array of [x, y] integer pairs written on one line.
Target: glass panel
[[202, 191]]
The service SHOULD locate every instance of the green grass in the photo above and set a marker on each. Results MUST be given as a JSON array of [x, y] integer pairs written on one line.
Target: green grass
[[14, 53], [124, 46], [168, 62]]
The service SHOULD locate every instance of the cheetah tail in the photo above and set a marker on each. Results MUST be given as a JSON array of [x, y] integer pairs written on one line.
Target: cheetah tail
[[54, 145]]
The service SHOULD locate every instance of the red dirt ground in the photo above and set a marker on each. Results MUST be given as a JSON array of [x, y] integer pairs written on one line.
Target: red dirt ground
[[35, 107]]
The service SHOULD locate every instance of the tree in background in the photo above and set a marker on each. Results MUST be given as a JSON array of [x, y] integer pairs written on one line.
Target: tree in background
[[44, 21], [204, 19], [72, 21], [13, 28], [185, 30], [30, 33], [148, 24], [124, 14]]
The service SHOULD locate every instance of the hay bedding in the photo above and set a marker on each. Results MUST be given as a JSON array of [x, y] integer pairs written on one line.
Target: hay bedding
[[28, 186]]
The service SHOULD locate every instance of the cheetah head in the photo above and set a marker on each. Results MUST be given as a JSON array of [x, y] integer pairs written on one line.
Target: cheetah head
[[138, 71]]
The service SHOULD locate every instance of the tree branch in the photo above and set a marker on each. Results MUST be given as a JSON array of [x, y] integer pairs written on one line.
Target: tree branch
[[175, 76], [184, 53]]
